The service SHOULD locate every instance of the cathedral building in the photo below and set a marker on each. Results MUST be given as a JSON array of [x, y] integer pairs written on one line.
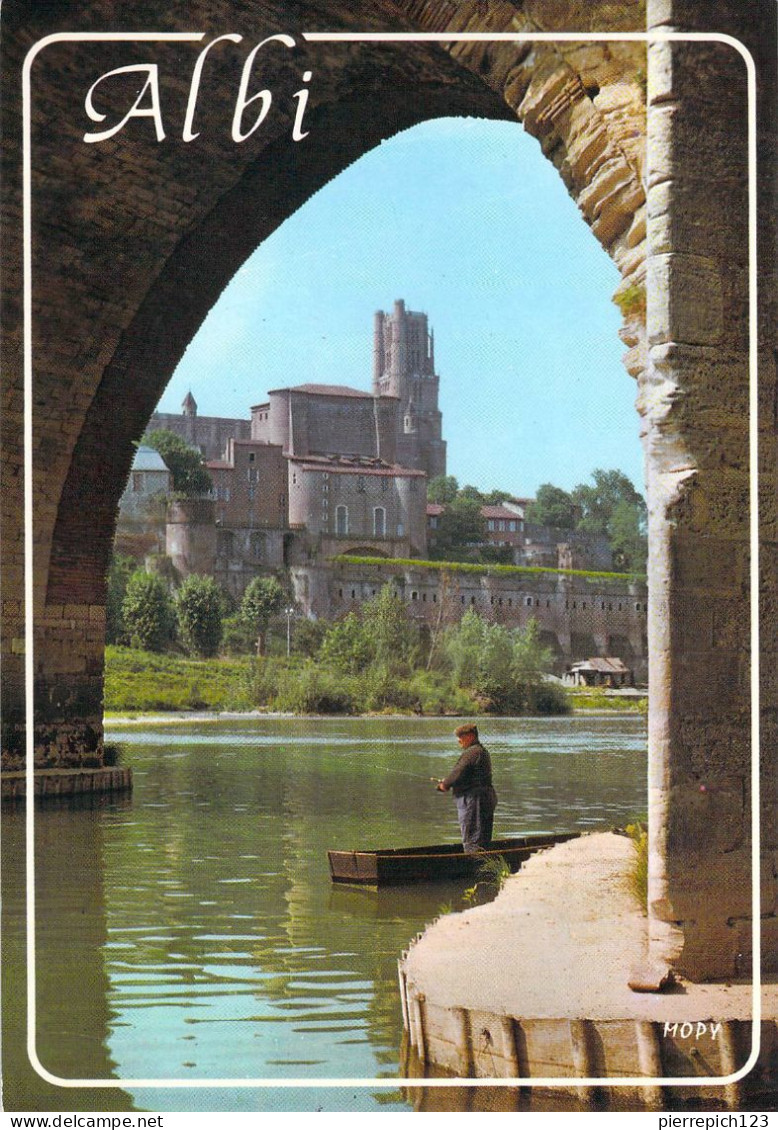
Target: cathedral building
[[404, 367], [319, 470]]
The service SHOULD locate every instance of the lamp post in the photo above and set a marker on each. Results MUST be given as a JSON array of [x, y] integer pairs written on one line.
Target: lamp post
[[289, 613]]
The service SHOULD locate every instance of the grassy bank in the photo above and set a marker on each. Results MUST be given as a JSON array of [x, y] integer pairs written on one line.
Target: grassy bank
[[139, 681], [146, 682], [583, 699], [142, 682]]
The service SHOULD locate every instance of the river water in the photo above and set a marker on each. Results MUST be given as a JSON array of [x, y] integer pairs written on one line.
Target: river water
[[191, 931]]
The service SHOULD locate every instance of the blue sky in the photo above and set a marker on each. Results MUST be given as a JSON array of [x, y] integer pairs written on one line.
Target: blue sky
[[465, 220]]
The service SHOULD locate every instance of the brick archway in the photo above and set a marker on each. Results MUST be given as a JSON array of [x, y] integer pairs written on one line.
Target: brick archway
[[133, 241]]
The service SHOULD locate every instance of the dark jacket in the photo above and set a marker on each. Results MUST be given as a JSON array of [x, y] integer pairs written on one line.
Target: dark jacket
[[472, 771]]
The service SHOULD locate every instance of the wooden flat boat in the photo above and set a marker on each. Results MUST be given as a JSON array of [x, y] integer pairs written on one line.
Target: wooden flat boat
[[435, 862]]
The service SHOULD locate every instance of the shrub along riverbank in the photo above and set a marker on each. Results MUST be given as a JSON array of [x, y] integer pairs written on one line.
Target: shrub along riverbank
[[374, 659], [139, 682]]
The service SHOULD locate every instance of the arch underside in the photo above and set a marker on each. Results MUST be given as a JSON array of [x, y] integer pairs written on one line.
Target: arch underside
[[133, 241]]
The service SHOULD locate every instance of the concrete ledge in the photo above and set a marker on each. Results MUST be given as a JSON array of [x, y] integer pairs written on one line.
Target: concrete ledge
[[535, 985], [67, 782]]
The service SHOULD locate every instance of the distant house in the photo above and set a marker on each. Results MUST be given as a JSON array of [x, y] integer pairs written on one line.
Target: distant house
[[596, 672], [149, 478], [506, 528], [503, 526]]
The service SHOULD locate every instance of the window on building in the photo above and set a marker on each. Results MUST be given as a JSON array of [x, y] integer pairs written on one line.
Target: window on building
[[379, 521], [252, 474], [224, 543], [490, 524], [433, 523], [361, 484], [257, 546], [252, 456], [137, 482], [400, 529], [512, 526], [341, 520]]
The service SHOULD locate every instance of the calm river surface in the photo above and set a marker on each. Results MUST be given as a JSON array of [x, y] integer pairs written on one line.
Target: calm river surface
[[191, 931]]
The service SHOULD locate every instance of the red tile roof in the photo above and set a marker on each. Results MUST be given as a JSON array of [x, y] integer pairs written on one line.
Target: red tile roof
[[342, 465], [499, 512], [324, 390]]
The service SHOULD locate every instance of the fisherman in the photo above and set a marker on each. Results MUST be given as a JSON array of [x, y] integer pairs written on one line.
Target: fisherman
[[471, 782]]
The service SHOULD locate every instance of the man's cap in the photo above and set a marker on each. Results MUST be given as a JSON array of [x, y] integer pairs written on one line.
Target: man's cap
[[468, 728]]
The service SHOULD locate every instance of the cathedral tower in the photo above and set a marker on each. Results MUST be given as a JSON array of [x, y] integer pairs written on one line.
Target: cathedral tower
[[404, 367]]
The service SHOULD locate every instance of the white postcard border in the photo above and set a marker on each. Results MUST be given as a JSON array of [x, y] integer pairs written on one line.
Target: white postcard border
[[397, 37]]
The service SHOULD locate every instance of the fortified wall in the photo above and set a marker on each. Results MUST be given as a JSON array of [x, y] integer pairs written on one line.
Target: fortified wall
[[578, 616]]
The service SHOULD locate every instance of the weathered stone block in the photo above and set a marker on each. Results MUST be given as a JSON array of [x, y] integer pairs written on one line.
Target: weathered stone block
[[616, 1048], [684, 299], [545, 1047]]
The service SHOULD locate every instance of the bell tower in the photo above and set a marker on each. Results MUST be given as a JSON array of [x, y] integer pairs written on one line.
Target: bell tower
[[404, 367]]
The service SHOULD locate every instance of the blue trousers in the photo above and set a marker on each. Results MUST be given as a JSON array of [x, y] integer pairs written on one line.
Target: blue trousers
[[476, 817]]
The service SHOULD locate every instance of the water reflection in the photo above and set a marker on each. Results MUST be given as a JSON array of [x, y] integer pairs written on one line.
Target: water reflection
[[224, 951]]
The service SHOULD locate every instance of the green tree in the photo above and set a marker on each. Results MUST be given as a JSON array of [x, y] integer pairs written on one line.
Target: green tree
[[596, 504], [471, 493], [461, 529], [308, 636], [198, 605], [119, 573], [462, 645], [147, 611], [346, 645], [552, 506], [495, 497], [531, 659], [393, 635], [263, 599], [380, 637], [627, 532], [185, 463], [506, 669], [442, 489]]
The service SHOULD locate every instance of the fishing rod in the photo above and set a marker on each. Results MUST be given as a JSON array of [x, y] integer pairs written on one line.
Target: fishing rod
[[403, 772]]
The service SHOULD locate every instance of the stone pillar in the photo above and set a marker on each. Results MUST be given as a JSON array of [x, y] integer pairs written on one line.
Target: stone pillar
[[695, 402]]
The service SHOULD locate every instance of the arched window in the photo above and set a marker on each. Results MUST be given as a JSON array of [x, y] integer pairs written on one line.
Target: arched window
[[341, 520], [379, 521]]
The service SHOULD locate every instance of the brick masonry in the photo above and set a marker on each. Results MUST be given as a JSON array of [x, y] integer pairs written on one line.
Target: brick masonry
[[134, 239]]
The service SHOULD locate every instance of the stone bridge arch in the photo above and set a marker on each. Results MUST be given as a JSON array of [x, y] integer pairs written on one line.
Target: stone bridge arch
[[133, 241]]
